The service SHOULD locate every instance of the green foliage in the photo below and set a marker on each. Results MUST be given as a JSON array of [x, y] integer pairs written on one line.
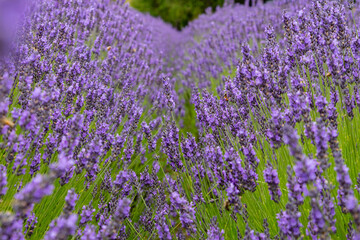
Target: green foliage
[[176, 12]]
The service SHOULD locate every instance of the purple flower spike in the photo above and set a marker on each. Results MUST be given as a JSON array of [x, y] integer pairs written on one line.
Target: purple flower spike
[[33, 192], [187, 212], [10, 227], [89, 233], [306, 170], [288, 221], [272, 179], [123, 209], [86, 214], [214, 232], [163, 229], [3, 180], [31, 221], [62, 228], [321, 143], [70, 201]]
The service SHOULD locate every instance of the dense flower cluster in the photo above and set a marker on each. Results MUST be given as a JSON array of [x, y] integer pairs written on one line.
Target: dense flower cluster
[[113, 125]]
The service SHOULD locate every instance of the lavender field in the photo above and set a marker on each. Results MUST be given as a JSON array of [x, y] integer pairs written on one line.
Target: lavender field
[[244, 125]]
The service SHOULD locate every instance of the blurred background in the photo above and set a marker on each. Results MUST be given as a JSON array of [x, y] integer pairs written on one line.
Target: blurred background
[[10, 15], [179, 12]]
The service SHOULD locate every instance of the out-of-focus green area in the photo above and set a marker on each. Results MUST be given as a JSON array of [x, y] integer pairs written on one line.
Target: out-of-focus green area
[[177, 12]]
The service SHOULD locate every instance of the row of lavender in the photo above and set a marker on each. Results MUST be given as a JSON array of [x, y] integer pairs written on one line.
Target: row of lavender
[[297, 85], [92, 143], [73, 88]]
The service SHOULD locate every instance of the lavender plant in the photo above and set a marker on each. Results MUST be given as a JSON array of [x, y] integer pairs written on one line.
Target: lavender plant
[[244, 125]]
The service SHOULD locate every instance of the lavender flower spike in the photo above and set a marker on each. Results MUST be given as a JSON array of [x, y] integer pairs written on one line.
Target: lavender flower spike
[[272, 179]]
